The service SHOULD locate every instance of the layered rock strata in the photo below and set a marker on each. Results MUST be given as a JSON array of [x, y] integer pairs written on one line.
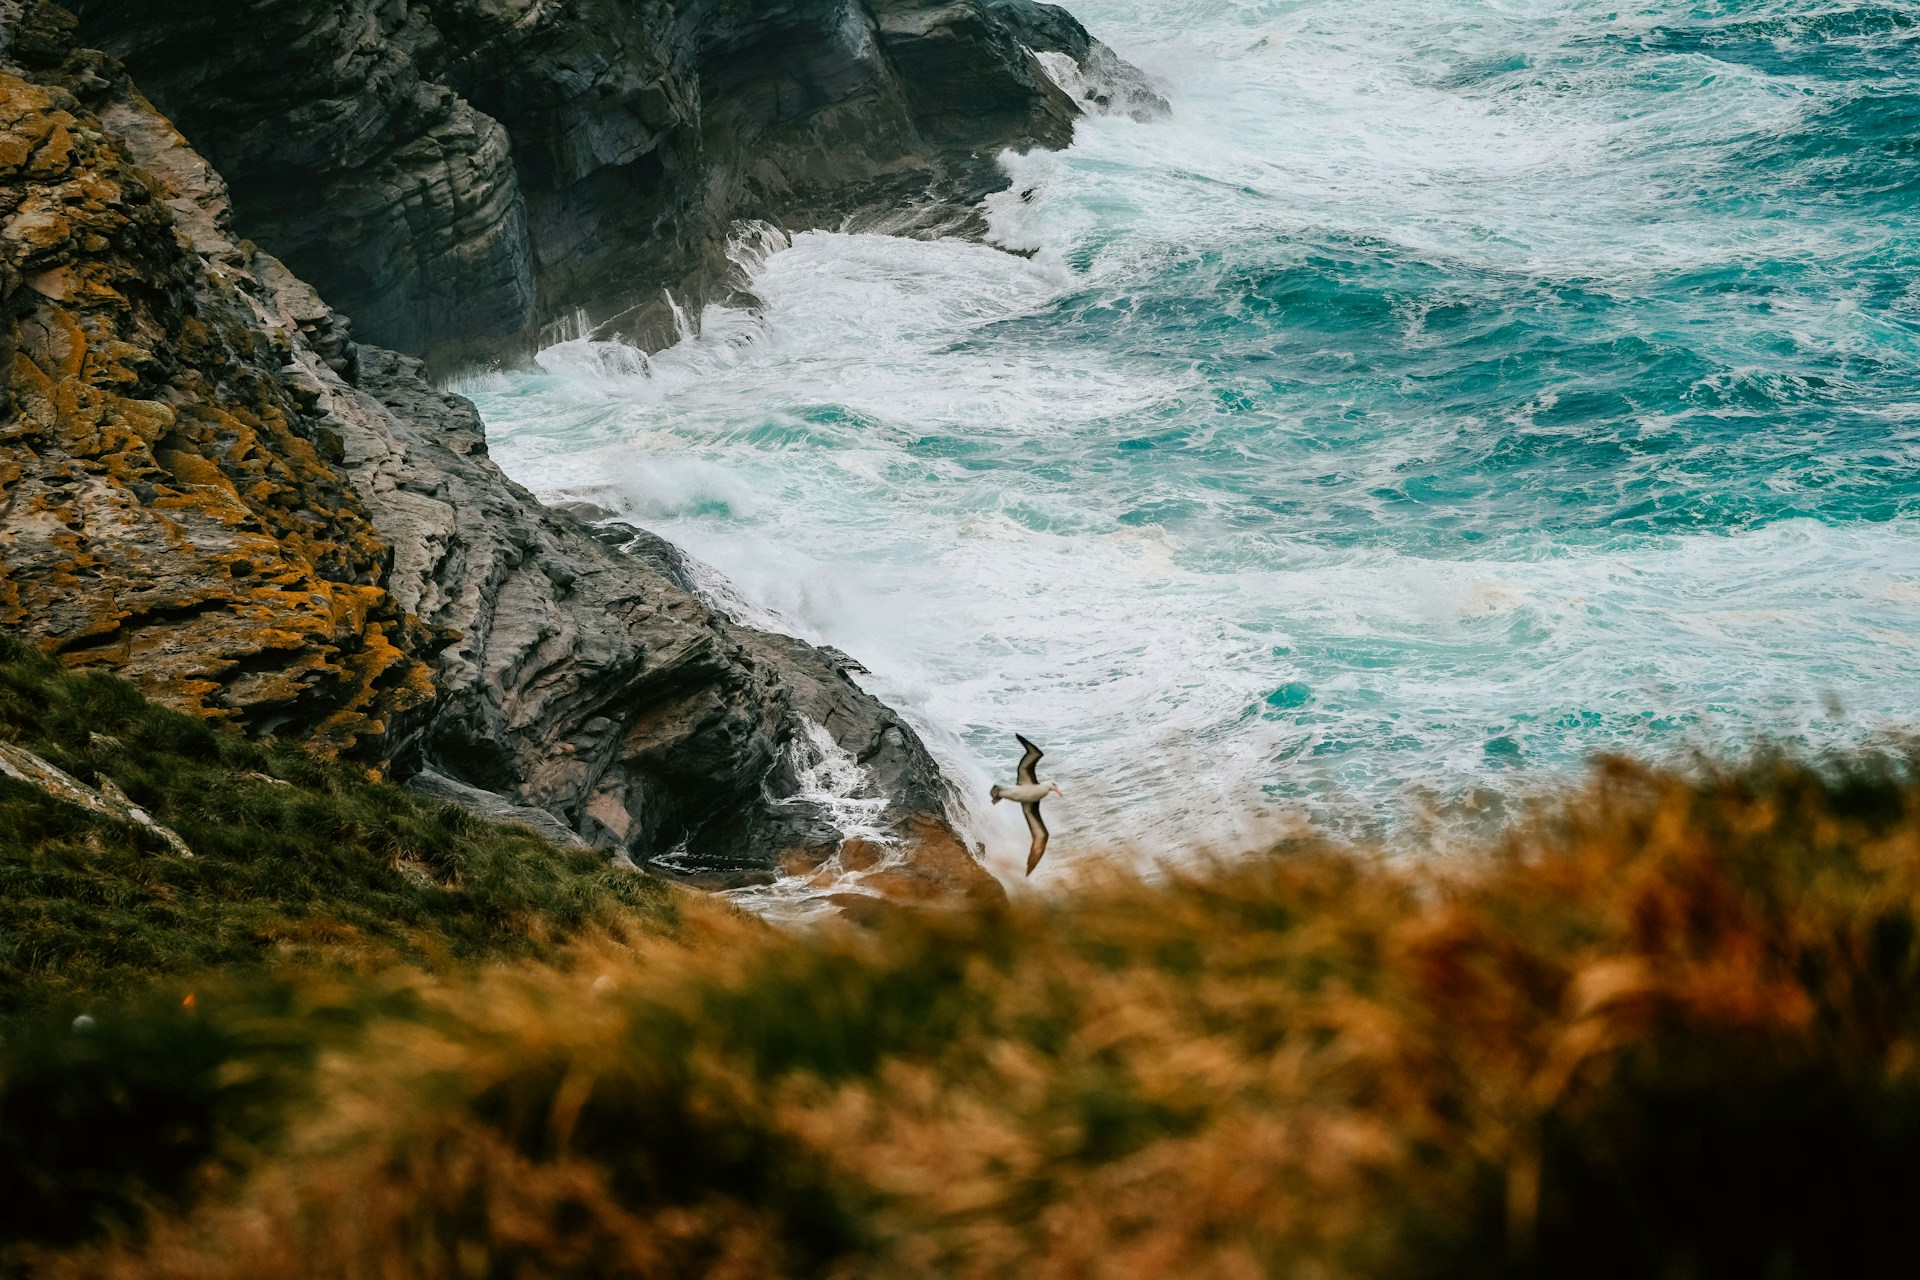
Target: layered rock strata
[[169, 511], [464, 176], [206, 487]]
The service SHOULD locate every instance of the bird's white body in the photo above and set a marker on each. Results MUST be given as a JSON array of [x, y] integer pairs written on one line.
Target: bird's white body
[[1028, 793]]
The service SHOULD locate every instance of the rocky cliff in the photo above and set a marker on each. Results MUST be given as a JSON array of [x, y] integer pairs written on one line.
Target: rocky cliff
[[169, 508], [206, 487], [462, 176]]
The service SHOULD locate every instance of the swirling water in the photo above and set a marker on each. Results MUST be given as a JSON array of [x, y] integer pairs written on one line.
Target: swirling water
[[1448, 391]]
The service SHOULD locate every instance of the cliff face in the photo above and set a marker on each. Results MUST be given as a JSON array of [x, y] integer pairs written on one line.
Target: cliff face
[[458, 175], [206, 487], [168, 509]]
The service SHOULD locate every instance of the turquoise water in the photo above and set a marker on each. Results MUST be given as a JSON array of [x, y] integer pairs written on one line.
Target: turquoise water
[[1447, 392]]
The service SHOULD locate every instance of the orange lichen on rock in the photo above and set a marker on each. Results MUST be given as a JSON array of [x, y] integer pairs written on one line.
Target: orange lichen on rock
[[211, 490], [165, 514]]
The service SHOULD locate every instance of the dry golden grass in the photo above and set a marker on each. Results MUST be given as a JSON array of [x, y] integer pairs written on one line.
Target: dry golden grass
[[1670, 1032]]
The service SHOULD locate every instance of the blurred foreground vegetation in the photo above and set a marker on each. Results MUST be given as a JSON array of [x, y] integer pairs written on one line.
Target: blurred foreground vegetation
[[1669, 1030]]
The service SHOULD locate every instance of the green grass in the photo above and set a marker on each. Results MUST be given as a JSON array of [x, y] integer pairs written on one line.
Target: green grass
[[326, 866]]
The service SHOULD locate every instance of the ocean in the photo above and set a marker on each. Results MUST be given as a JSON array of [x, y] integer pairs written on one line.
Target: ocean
[[1447, 392]]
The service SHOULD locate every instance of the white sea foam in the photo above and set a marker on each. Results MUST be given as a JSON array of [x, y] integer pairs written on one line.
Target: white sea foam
[[910, 450]]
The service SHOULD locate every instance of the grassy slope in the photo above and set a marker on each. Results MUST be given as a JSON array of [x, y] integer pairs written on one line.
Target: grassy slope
[[1673, 1032], [334, 868], [323, 877]]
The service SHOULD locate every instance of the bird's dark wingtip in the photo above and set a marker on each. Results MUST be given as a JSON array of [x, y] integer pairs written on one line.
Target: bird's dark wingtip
[[1024, 741]]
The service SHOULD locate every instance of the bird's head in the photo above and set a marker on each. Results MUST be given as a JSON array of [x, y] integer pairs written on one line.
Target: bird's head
[[1057, 791]]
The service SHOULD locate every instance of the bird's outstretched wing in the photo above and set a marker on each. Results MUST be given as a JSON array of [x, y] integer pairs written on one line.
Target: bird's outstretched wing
[[1027, 761], [1039, 830]]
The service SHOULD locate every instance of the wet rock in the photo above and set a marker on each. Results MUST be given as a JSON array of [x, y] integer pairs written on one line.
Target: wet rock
[[466, 176], [861, 855], [589, 682], [206, 487]]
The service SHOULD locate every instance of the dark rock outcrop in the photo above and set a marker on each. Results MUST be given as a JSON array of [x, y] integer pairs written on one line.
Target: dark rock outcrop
[[586, 679], [461, 176], [206, 487]]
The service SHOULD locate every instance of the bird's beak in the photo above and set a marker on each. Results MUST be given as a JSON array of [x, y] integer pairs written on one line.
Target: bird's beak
[[1057, 791]]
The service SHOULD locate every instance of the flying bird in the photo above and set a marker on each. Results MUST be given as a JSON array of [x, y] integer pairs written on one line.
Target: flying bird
[[1028, 793]]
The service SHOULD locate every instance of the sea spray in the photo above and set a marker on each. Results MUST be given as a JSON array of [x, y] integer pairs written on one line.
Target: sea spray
[[1444, 393]]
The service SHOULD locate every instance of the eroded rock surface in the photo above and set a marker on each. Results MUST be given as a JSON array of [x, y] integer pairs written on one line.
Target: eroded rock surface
[[589, 681], [168, 511], [461, 176], [206, 486]]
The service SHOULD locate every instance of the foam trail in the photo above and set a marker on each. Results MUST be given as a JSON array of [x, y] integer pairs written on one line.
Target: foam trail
[[1448, 391]]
